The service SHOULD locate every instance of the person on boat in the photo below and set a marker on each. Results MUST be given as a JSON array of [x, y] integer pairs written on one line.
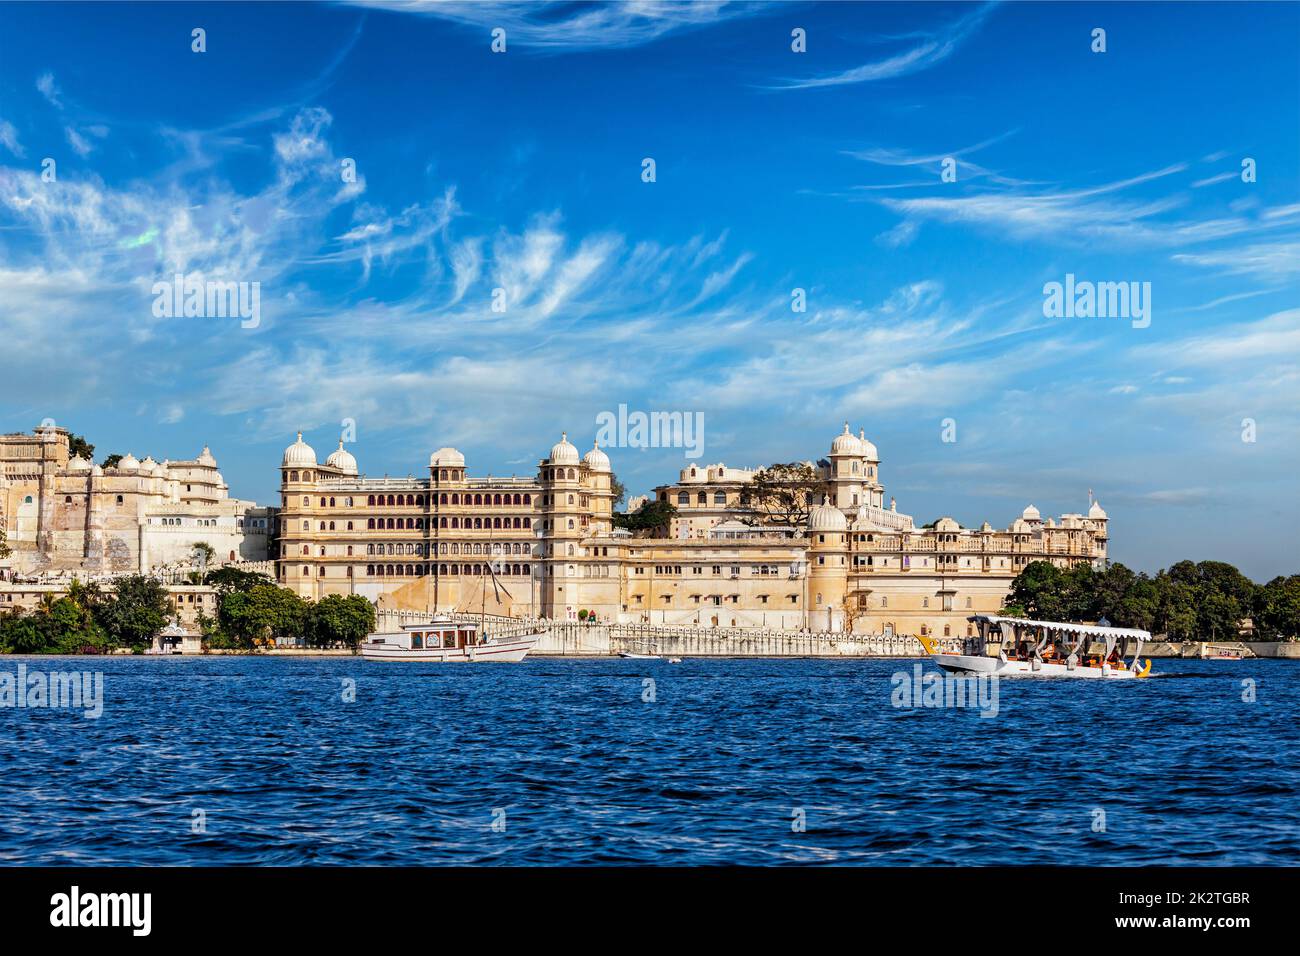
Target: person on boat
[[1049, 652]]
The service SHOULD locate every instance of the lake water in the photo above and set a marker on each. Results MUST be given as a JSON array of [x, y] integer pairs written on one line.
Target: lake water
[[583, 762]]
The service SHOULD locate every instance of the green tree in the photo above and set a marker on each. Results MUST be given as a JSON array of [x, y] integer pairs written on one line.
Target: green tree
[[111, 461], [783, 494], [230, 578], [1040, 591], [19, 633], [79, 447], [4, 545], [1277, 608], [262, 612], [1177, 613], [207, 551], [336, 619], [618, 489], [1139, 606], [137, 612], [652, 519]]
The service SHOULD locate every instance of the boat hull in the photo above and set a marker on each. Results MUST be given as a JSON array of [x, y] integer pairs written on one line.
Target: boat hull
[[499, 652], [962, 664]]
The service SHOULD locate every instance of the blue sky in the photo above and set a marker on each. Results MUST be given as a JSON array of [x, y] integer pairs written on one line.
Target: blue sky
[[775, 170]]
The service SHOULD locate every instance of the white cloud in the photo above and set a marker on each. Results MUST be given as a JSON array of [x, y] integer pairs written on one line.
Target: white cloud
[[1277, 260], [49, 89], [80, 145], [556, 25], [933, 51], [9, 139]]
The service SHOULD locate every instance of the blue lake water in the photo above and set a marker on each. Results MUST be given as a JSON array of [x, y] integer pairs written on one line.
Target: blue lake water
[[580, 769]]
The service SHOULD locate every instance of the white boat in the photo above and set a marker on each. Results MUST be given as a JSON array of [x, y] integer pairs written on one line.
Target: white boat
[[1017, 647], [638, 656], [1223, 652], [445, 640]]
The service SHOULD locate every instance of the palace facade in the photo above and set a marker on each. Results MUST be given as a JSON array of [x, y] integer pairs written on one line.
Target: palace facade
[[60, 512], [426, 543]]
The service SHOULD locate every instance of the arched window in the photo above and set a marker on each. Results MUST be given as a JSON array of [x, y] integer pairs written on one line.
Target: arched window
[[683, 498], [370, 524], [306, 502], [293, 476], [349, 525], [442, 498], [370, 499], [528, 499]]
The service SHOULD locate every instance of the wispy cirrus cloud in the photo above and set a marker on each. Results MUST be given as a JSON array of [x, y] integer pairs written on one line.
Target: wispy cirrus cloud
[[935, 48], [9, 139], [559, 26], [1277, 260]]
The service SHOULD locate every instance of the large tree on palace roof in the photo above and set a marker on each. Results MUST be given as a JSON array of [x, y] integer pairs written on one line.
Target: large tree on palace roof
[[784, 493]]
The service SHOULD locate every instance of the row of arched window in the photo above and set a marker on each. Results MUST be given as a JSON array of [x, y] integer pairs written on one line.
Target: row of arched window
[[418, 570], [417, 501], [719, 498]]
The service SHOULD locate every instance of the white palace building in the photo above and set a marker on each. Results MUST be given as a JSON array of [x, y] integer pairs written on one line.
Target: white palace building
[[425, 543]]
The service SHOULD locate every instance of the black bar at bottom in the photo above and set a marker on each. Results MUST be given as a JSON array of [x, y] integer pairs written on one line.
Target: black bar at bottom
[[336, 905]]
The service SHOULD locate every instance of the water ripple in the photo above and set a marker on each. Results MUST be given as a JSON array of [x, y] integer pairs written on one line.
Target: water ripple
[[261, 761]]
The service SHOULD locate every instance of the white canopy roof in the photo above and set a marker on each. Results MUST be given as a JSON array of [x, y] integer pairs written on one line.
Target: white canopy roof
[[1095, 630]]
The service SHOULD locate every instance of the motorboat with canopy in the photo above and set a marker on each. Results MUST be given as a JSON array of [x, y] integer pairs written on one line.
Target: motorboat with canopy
[[1019, 647]]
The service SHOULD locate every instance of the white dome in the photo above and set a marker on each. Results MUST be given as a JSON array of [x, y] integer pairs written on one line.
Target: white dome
[[447, 456], [298, 454], [148, 464], [128, 463], [1096, 511], [846, 443], [946, 524], [596, 459], [205, 457], [1031, 514], [342, 459], [826, 517], [868, 450], [77, 463], [96, 470], [564, 453], [159, 471]]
